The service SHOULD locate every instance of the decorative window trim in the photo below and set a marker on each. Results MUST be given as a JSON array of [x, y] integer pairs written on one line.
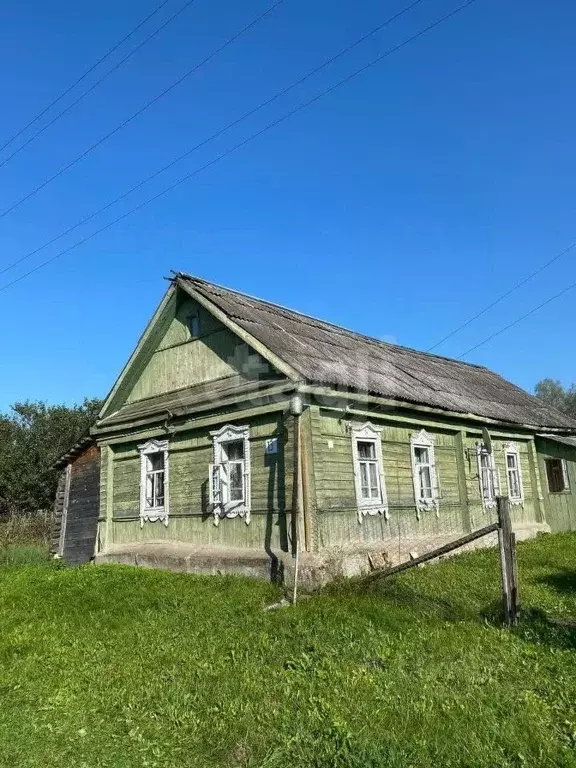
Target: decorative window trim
[[488, 503], [220, 507], [369, 433], [153, 514], [512, 449], [423, 439]]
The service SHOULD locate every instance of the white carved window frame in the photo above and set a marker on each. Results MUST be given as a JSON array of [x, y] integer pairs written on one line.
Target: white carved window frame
[[511, 449], [152, 514], [221, 505], [423, 439], [368, 433], [488, 502]]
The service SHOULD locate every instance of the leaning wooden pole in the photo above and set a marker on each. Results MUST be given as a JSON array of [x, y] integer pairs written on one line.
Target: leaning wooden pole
[[507, 547], [450, 547]]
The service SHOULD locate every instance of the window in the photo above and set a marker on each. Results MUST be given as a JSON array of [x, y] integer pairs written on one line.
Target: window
[[424, 474], [424, 471], [194, 324], [514, 474], [368, 472], [229, 481], [557, 474], [487, 477], [154, 481]]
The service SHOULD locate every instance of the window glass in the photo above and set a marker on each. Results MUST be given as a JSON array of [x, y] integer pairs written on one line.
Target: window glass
[[366, 449], [234, 451], [557, 475], [425, 482], [514, 485], [194, 325], [155, 461], [368, 469], [421, 455], [236, 482], [154, 480]]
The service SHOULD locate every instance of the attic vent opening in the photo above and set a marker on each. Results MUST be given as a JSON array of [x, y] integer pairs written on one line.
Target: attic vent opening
[[193, 322]]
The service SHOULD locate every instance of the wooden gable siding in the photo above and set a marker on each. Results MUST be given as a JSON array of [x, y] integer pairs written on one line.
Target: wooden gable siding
[[561, 507], [335, 522], [190, 519], [80, 514], [170, 360]]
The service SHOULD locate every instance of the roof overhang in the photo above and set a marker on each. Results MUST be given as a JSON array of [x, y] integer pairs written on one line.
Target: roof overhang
[[78, 448], [328, 393], [566, 440]]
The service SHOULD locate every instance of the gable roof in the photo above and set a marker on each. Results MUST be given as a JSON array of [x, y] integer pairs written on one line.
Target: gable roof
[[326, 354]]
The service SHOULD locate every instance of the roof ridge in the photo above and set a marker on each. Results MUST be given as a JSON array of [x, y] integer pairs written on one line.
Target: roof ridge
[[273, 304]]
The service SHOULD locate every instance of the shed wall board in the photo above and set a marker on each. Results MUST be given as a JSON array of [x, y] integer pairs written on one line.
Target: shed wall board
[[560, 507], [81, 517]]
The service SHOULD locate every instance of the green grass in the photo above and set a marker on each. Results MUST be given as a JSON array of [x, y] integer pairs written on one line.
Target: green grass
[[124, 668]]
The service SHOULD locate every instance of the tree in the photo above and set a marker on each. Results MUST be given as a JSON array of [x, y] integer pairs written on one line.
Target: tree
[[33, 436], [553, 393]]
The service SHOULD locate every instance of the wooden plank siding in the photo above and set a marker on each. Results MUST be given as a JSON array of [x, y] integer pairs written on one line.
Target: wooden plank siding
[[330, 489], [460, 507], [172, 360], [560, 506], [57, 513], [81, 515], [190, 518]]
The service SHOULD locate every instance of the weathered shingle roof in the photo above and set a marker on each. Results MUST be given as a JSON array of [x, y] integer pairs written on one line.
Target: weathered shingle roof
[[327, 354]]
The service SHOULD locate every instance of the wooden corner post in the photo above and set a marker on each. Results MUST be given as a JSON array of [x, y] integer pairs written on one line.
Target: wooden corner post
[[509, 570]]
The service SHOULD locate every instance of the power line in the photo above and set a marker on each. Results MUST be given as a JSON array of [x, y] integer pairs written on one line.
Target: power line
[[146, 106], [244, 142], [97, 83], [518, 320], [502, 296], [82, 77], [215, 135]]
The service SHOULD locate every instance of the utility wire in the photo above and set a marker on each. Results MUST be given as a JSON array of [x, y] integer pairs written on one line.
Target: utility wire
[[518, 320], [146, 106], [244, 142], [502, 296], [214, 136], [97, 83], [82, 77]]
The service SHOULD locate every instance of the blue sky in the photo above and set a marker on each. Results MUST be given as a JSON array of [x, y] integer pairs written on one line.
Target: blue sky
[[398, 205]]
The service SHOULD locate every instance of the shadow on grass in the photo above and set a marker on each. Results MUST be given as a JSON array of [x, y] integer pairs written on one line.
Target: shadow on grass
[[536, 626], [563, 581]]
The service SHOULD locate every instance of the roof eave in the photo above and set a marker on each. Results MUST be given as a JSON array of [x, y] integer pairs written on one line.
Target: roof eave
[[324, 391]]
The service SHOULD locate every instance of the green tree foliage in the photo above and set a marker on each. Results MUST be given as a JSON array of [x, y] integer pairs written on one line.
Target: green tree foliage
[[33, 435], [553, 393]]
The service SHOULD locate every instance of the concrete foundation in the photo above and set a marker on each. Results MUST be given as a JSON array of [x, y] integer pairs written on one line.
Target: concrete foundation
[[315, 568]]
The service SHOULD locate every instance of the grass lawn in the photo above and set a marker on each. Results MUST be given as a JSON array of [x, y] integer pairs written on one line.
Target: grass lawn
[[128, 668]]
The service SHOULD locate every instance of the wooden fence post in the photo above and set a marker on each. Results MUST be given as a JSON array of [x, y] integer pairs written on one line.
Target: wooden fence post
[[507, 546]]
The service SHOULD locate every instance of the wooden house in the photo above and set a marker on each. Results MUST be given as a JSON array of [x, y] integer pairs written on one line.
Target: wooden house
[[240, 431]]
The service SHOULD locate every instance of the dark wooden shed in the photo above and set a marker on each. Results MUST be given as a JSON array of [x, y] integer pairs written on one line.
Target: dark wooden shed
[[77, 505]]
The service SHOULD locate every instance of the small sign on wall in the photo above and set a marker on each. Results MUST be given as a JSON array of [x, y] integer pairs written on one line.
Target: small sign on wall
[[271, 446]]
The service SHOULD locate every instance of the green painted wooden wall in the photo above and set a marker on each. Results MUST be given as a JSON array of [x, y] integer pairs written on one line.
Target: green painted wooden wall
[[331, 491], [190, 519], [460, 508], [561, 507]]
